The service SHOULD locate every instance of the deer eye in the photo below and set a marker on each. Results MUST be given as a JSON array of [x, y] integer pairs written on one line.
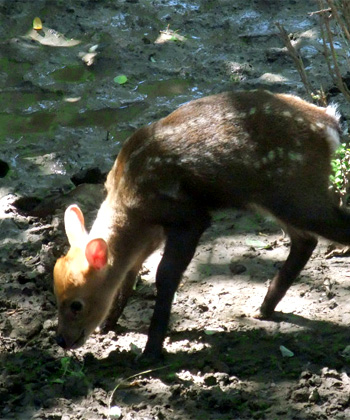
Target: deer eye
[[76, 306]]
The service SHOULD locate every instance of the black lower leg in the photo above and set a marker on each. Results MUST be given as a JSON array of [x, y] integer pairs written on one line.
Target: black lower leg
[[302, 246], [120, 301], [179, 249]]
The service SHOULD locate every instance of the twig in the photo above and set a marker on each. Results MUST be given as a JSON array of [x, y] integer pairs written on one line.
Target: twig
[[335, 70], [343, 21], [296, 58], [338, 19], [128, 379], [325, 49], [318, 12]]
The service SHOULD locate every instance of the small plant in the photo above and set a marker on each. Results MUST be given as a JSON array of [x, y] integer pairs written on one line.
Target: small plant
[[68, 368], [341, 173], [334, 22], [169, 35]]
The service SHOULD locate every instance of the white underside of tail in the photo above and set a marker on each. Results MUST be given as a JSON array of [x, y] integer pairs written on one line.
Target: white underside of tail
[[333, 138], [332, 134], [332, 110]]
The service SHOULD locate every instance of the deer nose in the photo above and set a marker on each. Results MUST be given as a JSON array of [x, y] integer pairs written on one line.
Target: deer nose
[[61, 341]]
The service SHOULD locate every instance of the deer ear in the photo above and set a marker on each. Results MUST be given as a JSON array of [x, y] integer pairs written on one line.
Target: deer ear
[[74, 225], [96, 253]]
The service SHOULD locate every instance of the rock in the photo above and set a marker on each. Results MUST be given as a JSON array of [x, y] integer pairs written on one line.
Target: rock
[[210, 380], [301, 395], [88, 176], [314, 396], [237, 268], [222, 368], [26, 205], [49, 324], [4, 168], [25, 328]]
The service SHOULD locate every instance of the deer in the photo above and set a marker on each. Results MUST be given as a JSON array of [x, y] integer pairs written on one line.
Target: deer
[[244, 149]]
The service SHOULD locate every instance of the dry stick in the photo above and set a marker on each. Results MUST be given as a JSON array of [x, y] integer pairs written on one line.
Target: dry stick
[[346, 17], [296, 58], [338, 18], [346, 12], [333, 71], [325, 49], [317, 12], [339, 80], [343, 21], [128, 379]]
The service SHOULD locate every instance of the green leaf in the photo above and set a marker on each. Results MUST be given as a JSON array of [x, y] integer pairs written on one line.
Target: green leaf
[[65, 361], [256, 243], [286, 352], [212, 331], [135, 349], [120, 79], [57, 381]]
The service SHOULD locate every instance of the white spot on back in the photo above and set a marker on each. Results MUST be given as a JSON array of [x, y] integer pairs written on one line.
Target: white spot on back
[[234, 115], [271, 155], [295, 157], [138, 151], [267, 109]]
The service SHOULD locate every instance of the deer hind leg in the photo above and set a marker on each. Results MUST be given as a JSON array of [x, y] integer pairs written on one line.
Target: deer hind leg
[[315, 214], [334, 225], [312, 210], [302, 246]]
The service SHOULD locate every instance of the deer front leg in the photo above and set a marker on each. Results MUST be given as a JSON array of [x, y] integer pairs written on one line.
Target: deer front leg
[[181, 243], [155, 238], [120, 301]]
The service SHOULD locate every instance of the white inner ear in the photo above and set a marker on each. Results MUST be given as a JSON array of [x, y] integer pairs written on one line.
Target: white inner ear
[[75, 226]]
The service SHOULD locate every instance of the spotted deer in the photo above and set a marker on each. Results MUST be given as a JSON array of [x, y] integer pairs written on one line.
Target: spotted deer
[[231, 150]]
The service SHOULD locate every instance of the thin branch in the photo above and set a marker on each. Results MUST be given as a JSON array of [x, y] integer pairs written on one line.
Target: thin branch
[[296, 58], [318, 12], [336, 70], [345, 6], [325, 49], [339, 20]]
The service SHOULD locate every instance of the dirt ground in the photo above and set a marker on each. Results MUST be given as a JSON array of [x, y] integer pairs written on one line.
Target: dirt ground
[[63, 119]]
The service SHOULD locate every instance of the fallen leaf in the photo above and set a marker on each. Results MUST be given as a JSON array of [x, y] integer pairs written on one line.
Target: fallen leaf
[[121, 79], [286, 352], [37, 24]]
